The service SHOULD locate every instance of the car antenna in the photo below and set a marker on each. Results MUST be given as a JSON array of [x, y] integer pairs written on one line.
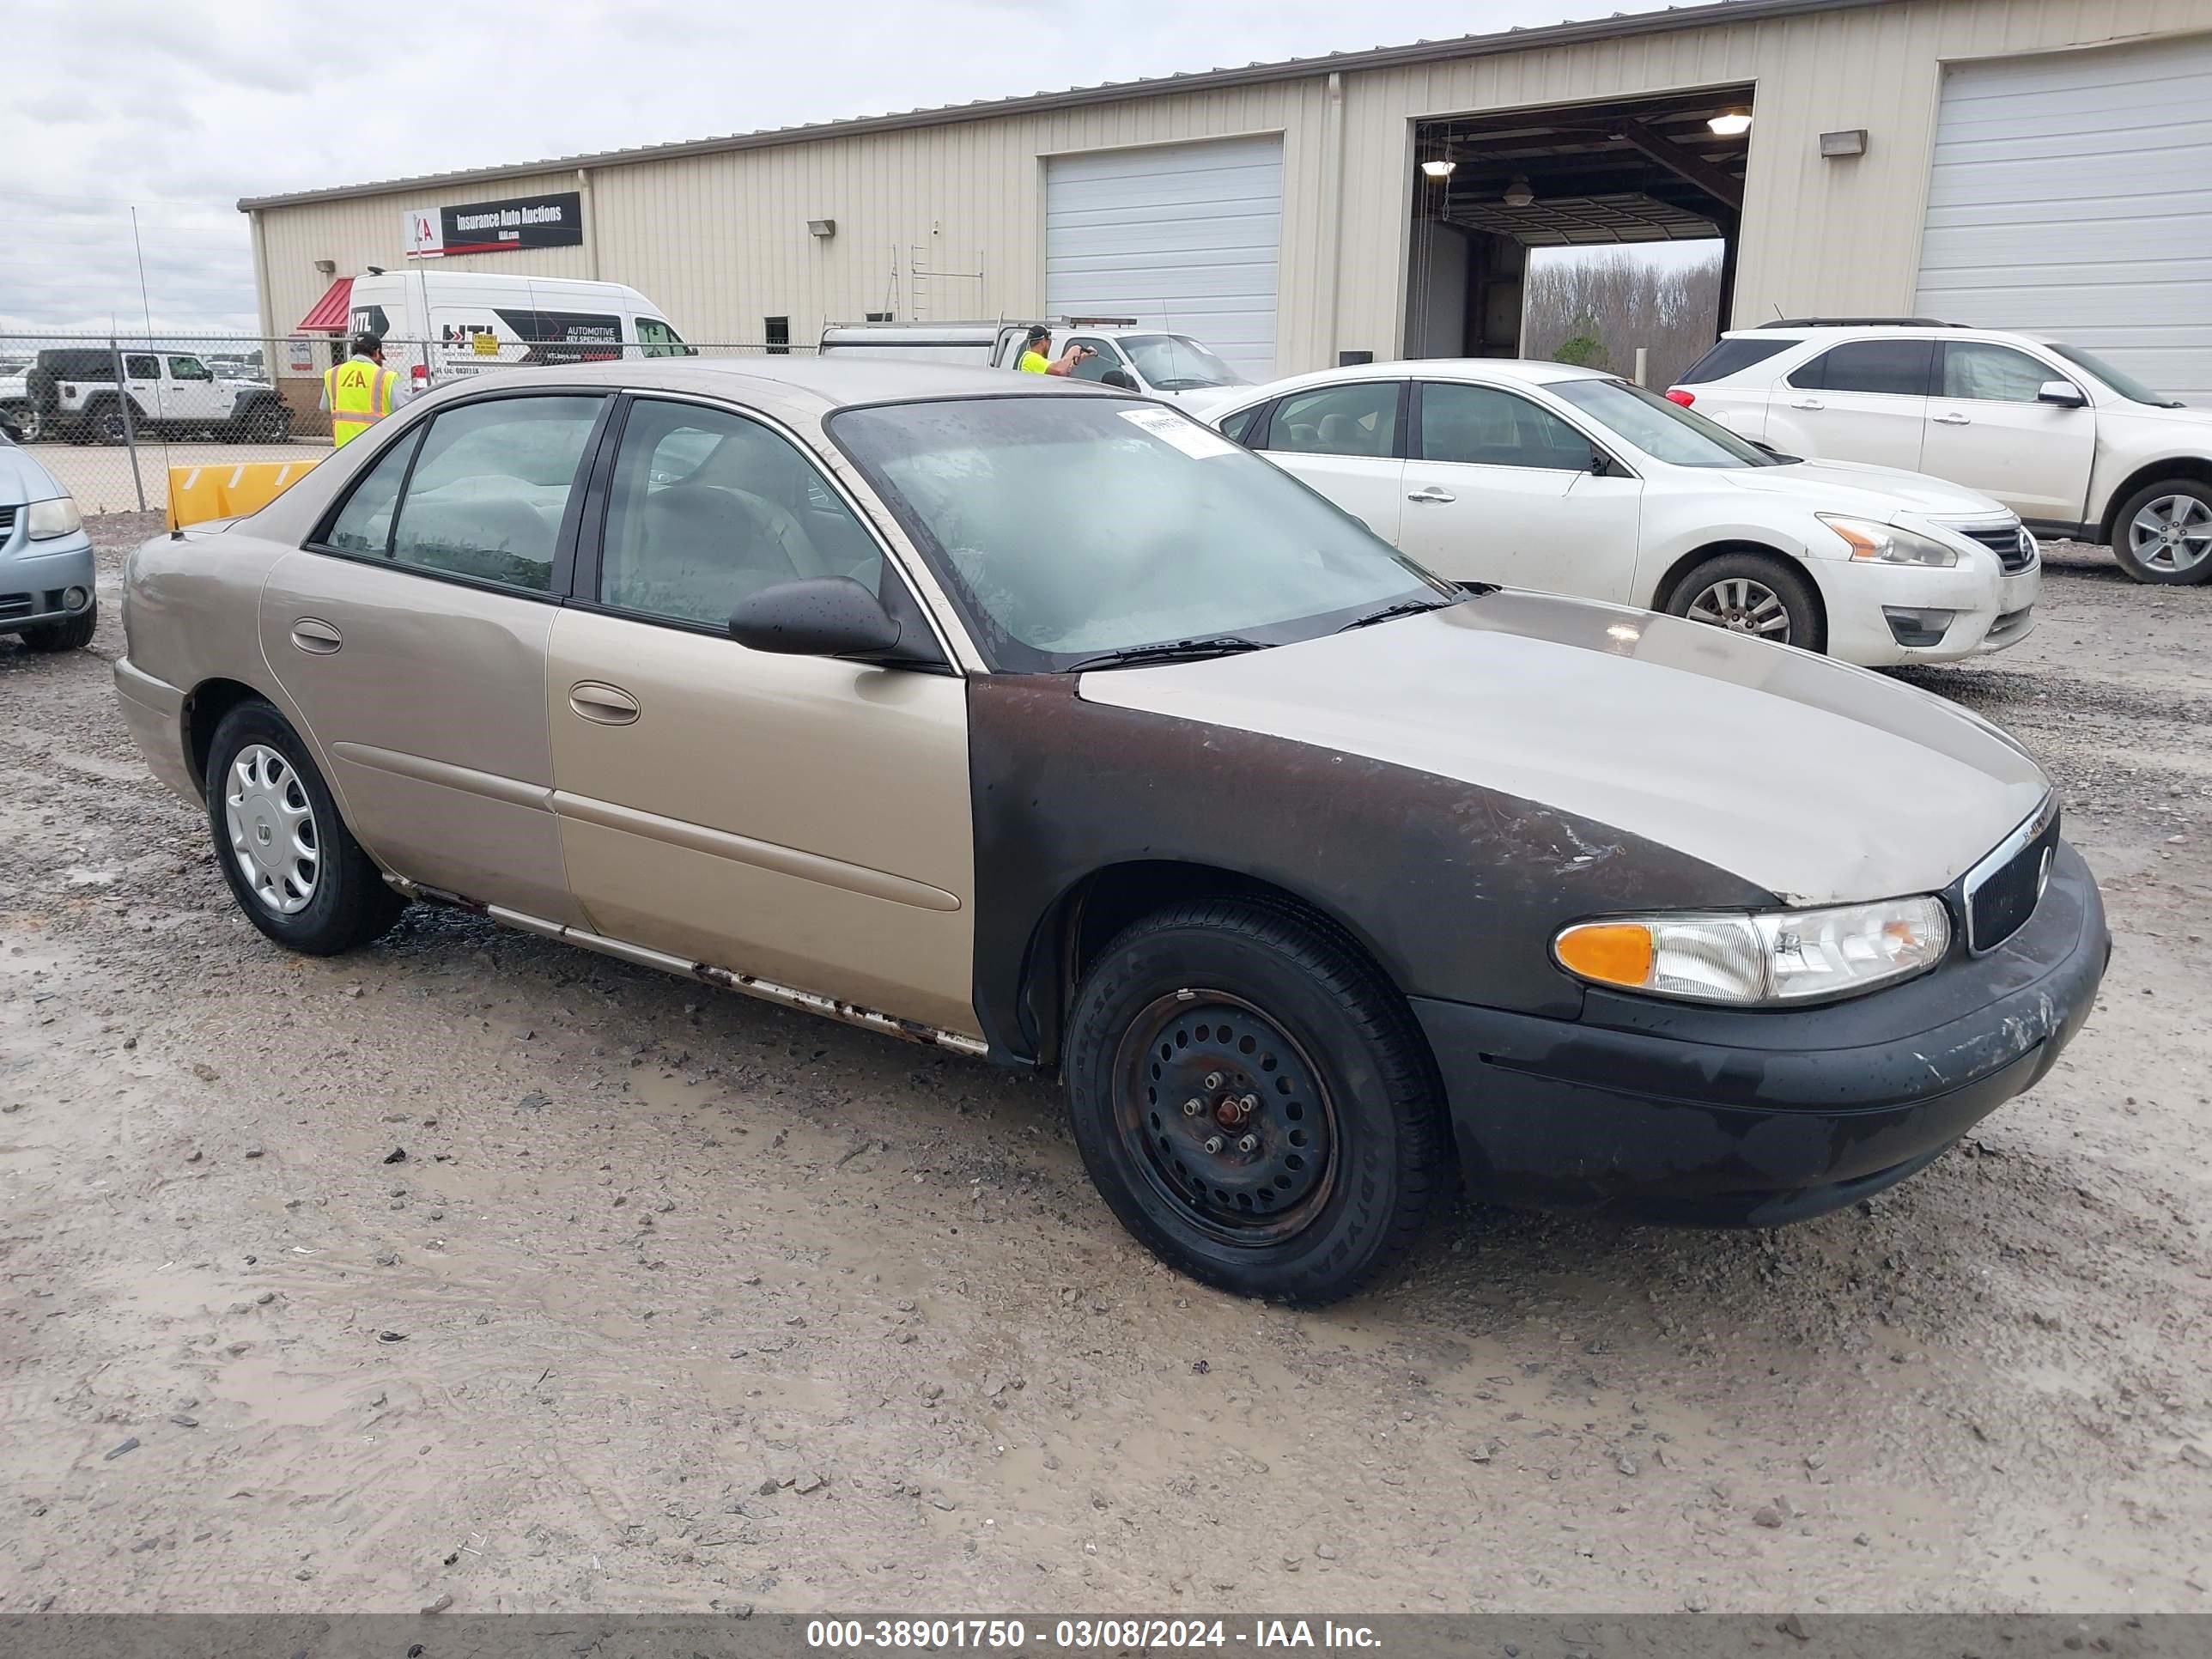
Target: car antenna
[[1779, 317], [176, 530]]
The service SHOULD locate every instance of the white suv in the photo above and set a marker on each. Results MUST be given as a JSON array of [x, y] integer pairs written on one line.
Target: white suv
[[1563, 479], [2074, 447]]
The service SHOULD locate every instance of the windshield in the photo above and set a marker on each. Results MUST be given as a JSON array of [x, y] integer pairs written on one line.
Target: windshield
[[2126, 384], [1665, 431], [1068, 527], [1175, 362]]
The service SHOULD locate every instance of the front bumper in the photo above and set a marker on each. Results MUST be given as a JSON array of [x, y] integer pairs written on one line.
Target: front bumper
[[34, 575], [1990, 611], [1735, 1118]]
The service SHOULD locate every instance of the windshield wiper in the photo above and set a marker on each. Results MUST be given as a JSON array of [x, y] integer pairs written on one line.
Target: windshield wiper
[[1224, 645], [1404, 608]]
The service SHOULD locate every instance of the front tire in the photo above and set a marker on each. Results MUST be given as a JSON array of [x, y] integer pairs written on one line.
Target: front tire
[[1317, 1148], [1753, 593], [70, 636], [293, 865], [2163, 534]]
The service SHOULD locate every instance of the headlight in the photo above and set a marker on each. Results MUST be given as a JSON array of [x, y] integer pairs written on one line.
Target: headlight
[[1771, 956], [55, 518], [1886, 544]]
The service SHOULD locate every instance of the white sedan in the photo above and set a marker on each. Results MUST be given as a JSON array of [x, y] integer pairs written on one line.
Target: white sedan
[[1569, 481]]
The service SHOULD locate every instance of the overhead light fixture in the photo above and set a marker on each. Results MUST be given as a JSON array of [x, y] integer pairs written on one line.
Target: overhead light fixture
[[1517, 194], [1730, 124], [1441, 168]]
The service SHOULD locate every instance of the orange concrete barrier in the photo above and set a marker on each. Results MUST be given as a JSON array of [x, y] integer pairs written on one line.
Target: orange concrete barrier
[[197, 494]]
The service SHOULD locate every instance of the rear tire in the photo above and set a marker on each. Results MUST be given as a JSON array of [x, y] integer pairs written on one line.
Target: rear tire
[[1319, 1148], [2163, 534], [70, 636], [1752, 593], [270, 423], [293, 865], [106, 423]]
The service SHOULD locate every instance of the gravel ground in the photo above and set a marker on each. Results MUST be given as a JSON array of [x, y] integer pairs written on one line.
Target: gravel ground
[[676, 1302]]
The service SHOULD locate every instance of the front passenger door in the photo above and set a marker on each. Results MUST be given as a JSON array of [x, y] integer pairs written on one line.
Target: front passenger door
[[1500, 489], [1989, 430], [800, 819]]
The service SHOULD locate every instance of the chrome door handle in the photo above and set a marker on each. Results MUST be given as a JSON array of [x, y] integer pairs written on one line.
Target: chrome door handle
[[1432, 493], [607, 705], [311, 633], [1807, 403], [1952, 419]]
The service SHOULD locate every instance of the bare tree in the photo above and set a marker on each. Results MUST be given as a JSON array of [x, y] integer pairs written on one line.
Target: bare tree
[[1598, 310]]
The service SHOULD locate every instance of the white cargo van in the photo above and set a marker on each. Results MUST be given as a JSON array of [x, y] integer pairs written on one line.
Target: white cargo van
[[1149, 359], [469, 321]]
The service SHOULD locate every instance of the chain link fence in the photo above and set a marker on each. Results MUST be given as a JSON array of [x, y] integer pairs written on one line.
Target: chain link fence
[[108, 416]]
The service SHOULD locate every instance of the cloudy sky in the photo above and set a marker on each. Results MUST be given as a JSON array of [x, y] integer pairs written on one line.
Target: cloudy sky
[[176, 110]]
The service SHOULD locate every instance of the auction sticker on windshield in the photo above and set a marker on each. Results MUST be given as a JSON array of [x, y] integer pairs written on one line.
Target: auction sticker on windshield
[[1187, 436]]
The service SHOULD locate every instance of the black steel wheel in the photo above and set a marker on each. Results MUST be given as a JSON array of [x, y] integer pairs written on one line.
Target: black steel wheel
[[1254, 1102]]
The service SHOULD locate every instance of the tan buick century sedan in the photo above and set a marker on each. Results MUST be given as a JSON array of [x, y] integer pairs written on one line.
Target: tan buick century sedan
[[1037, 721]]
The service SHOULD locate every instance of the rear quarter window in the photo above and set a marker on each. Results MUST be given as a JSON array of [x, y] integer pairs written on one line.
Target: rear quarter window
[[1733, 356]]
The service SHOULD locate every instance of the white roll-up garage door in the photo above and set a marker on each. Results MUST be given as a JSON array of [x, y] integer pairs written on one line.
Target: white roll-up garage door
[[1185, 237], [2067, 198]]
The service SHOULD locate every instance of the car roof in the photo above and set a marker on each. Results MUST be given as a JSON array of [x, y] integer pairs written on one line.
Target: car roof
[[1526, 370], [1829, 332], [815, 384]]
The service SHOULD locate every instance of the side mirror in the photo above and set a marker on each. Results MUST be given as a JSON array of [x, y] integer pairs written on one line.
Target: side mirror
[[2064, 393], [819, 617], [1601, 465], [1119, 377]]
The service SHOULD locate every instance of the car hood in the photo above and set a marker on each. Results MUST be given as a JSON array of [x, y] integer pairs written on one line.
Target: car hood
[[22, 479], [1200, 401], [2190, 418], [1819, 782], [1883, 494]]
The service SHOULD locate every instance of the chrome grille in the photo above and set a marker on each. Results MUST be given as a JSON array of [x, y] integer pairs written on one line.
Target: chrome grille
[[6, 519], [2016, 551], [2002, 891]]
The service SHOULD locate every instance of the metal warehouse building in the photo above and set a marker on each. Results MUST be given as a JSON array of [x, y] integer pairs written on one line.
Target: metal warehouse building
[[2039, 164]]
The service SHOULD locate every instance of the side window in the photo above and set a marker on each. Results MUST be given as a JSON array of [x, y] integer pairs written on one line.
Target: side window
[[1481, 426], [1240, 425], [1992, 373], [1897, 369], [188, 368], [138, 367], [1098, 367], [1338, 419], [709, 507], [659, 340], [489, 489], [1733, 356], [364, 522]]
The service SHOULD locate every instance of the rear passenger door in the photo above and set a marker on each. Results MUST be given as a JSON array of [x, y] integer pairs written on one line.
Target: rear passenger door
[[410, 635], [1861, 400], [799, 819], [1347, 439]]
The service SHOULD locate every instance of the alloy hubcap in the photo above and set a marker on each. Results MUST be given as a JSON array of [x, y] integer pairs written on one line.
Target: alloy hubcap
[[1226, 1116], [1742, 606], [2173, 532], [271, 825]]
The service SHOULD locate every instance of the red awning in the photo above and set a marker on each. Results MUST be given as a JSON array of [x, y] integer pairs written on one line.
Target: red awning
[[331, 312]]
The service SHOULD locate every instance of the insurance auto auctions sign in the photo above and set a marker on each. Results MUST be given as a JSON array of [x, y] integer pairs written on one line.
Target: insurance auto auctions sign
[[555, 220]]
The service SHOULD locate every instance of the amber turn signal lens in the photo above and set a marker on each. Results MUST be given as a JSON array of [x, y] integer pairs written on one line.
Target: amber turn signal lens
[[1610, 953]]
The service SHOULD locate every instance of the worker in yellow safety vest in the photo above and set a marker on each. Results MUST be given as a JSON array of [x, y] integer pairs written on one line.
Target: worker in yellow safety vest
[[361, 390]]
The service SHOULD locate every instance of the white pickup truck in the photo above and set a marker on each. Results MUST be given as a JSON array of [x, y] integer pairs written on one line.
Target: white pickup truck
[[1165, 365], [72, 392]]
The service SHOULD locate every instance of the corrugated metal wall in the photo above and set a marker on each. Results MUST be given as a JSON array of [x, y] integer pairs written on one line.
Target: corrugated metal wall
[[720, 241]]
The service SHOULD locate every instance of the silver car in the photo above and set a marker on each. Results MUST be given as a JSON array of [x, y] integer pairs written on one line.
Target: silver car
[[1040, 723], [47, 596]]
